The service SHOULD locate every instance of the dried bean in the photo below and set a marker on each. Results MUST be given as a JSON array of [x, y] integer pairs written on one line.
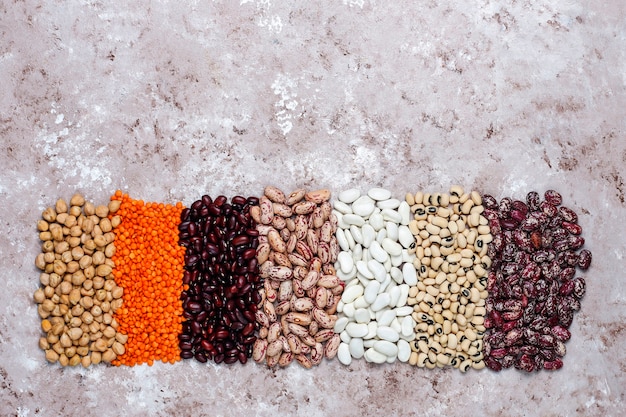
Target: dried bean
[[222, 279], [531, 282], [451, 314], [299, 286]]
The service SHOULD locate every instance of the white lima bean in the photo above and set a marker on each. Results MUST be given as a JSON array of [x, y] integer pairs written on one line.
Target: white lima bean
[[374, 320]]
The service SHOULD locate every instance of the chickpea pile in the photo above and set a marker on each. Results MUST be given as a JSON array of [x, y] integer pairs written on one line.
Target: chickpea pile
[[78, 295]]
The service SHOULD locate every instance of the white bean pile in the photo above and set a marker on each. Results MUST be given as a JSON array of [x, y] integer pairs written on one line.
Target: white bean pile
[[375, 322], [451, 263]]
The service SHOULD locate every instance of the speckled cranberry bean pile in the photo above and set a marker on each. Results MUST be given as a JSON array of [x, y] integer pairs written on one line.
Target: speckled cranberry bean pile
[[532, 284]]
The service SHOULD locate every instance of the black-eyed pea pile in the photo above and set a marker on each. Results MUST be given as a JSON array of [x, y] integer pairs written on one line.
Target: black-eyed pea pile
[[77, 295], [451, 264]]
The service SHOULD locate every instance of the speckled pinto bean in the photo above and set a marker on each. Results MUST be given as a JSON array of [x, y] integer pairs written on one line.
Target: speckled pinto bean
[[532, 283], [221, 280], [450, 268], [298, 301]]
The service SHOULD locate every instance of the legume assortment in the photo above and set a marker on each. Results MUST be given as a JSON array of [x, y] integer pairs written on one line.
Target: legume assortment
[[438, 279]]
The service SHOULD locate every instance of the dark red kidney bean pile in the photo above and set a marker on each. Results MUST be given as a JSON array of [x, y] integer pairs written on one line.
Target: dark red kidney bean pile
[[221, 279], [533, 288]]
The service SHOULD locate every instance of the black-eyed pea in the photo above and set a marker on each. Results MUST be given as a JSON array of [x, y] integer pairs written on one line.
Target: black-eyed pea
[[465, 343], [443, 359], [478, 320], [465, 365], [422, 359], [419, 327], [470, 275]]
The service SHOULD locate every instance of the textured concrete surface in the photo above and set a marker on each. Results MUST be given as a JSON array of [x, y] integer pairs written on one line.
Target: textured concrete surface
[[171, 100]]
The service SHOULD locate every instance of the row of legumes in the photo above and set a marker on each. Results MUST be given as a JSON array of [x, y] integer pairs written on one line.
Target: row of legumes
[[435, 279]]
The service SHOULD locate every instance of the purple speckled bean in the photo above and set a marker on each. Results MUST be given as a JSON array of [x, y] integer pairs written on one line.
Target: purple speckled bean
[[532, 290]]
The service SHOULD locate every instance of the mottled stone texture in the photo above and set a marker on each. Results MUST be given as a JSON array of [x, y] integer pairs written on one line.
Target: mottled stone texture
[[171, 100]]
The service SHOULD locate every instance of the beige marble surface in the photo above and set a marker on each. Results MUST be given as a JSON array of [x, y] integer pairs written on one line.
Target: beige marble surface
[[171, 100]]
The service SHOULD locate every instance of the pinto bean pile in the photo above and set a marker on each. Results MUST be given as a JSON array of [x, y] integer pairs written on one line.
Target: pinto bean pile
[[301, 291], [532, 284]]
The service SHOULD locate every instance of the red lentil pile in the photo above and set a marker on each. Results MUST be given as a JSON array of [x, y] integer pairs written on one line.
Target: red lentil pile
[[149, 267]]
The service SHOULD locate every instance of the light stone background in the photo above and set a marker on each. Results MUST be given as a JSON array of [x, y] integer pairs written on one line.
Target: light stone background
[[171, 100]]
